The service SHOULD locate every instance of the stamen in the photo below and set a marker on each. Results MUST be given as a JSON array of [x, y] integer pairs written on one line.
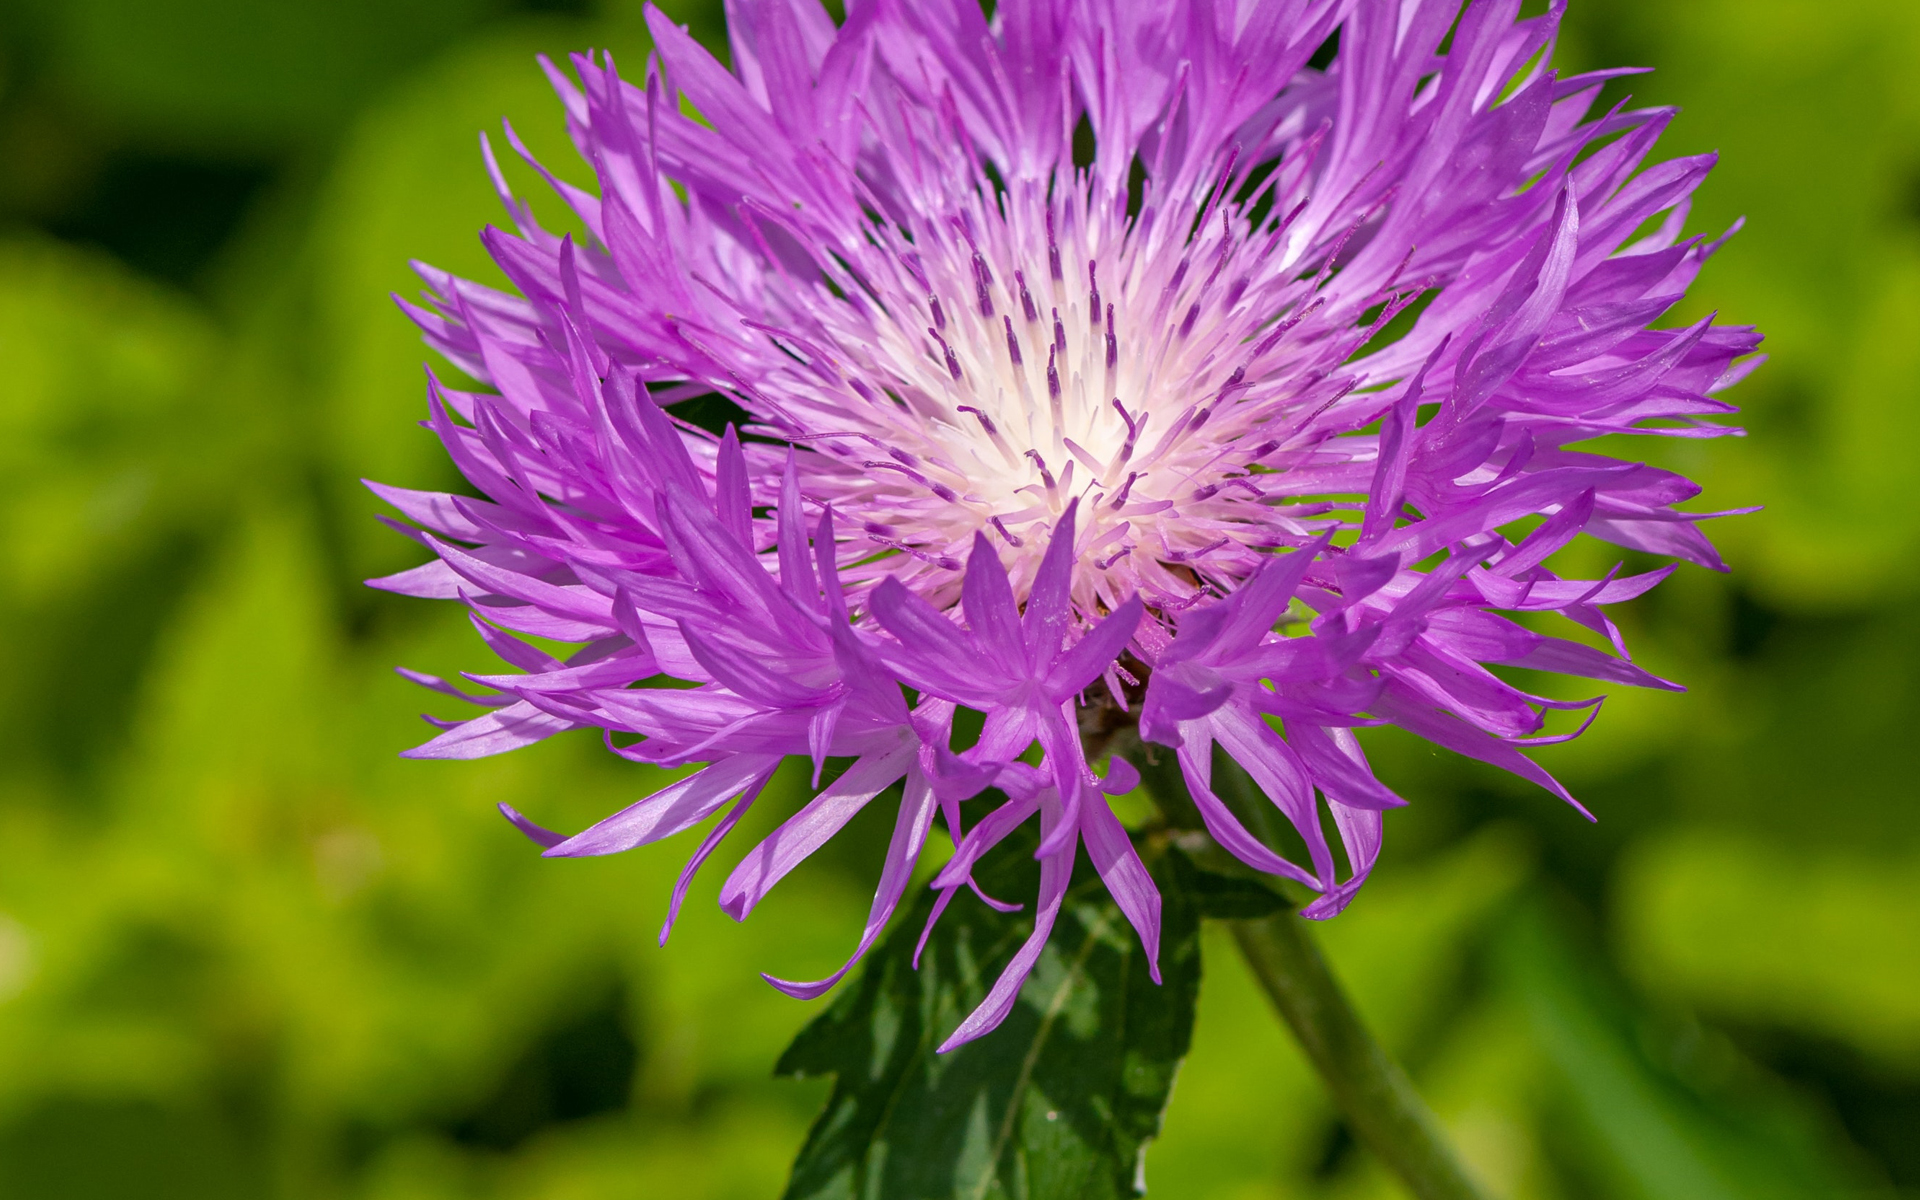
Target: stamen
[[1046, 476], [939, 316], [1093, 282], [993, 433], [1053, 376], [1053, 249], [1059, 333], [1234, 383], [1013, 343], [1279, 331], [953, 364], [985, 421], [1133, 436], [1026, 300], [982, 285], [942, 561], [1223, 185], [1190, 555], [933, 485], [1013, 541]]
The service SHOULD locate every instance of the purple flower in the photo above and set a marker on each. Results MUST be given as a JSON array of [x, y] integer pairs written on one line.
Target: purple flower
[[1098, 357]]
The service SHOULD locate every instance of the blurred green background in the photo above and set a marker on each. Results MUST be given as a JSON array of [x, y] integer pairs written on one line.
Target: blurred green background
[[245, 951]]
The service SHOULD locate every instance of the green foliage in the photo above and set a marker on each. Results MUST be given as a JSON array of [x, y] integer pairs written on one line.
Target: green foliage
[[1062, 1100], [99, 447], [1634, 1125], [243, 74], [1839, 953]]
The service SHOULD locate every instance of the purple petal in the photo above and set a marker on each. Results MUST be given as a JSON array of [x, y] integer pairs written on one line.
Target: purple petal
[[680, 805], [1090, 656], [1113, 856], [987, 598], [909, 838], [538, 835], [807, 830], [1048, 606], [708, 845], [519, 724], [1055, 873], [1196, 768], [1122, 777]]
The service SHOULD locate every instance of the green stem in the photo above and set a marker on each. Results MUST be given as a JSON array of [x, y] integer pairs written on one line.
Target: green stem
[[1373, 1093]]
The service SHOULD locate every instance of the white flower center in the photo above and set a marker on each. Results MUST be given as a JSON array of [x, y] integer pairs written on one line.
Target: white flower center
[[1008, 368]]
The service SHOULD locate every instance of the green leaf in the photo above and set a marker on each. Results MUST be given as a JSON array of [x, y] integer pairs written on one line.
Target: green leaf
[[1060, 1101], [1229, 897]]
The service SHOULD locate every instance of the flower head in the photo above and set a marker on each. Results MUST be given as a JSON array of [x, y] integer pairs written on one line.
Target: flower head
[[1095, 354]]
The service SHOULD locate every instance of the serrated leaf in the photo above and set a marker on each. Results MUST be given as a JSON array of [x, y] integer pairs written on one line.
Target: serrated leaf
[[1060, 1101]]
